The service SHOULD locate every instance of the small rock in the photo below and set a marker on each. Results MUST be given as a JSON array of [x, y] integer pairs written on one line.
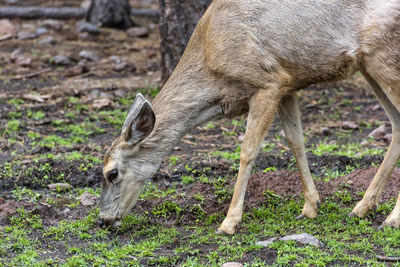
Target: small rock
[[5, 37], [87, 199], [388, 138], [90, 55], [101, 103], [121, 66], [26, 35], [349, 125], [282, 134], [151, 53], [105, 95], [304, 238], [115, 59], [83, 35], [120, 93], [376, 107], [267, 242], [81, 68], [152, 65], [41, 30], [137, 32], [378, 132], [52, 24], [87, 27], [66, 210], [60, 60], [350, 182], [94, 94], [232, 264], [325, 131], [59, 186], [48, 40], [6, 27], [23, 61]]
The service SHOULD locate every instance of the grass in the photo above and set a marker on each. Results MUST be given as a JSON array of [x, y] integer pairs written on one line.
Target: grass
[[159, 234], [347, 241]]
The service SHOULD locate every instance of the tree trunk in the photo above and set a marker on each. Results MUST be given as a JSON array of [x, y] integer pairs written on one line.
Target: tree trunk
[[110, 13], [177, 21], [38, 12]]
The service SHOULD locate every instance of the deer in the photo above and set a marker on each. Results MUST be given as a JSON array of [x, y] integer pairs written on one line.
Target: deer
[[252, 57]]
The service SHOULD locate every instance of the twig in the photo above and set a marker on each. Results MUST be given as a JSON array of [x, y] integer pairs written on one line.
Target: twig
[[30, 75], [386, 258]]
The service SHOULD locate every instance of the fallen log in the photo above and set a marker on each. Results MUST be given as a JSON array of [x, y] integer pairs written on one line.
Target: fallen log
[[62, 12]]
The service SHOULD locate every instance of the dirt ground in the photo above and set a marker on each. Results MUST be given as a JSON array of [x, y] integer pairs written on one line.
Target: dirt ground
[[44, 96]]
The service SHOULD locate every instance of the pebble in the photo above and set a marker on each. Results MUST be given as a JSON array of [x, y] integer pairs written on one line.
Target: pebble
[[267, 242], [90, 55], [6, 27], [23, 61], [48, 40], [137, 32], [305, 239], [388, 138], [59, 186], [378, 132], [52, 24], [41, 30], [325, 131], [349, 125], [60, 60], [26, 35], [87, 27], [232, 264]]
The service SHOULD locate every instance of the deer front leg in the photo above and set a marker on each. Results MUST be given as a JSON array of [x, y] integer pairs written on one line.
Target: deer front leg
[[262, 109], [289, 115]]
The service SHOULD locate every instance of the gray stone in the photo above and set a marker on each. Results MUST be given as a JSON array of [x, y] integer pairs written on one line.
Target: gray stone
[[52, 24], [6, 27], [388, 138], [267, 242], [48, 40], [59, 186], [60, 60], [41, 30], [90, 55], [26, 35], [87, 27], [137, 32], [378, 132], [232, 264], [349, 125], [304, 238]]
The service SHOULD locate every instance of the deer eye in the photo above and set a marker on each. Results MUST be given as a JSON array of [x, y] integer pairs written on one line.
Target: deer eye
[[112, 175]]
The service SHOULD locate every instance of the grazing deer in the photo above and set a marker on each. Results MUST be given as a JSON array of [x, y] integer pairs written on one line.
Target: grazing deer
[[252, 56]]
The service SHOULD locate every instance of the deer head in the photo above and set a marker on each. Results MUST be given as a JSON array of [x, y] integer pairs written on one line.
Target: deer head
[[126, 164]]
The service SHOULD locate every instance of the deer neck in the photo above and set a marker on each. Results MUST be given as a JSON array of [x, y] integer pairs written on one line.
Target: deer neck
[[185, 101]]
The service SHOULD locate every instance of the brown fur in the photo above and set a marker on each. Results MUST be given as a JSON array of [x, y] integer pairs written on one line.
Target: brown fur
[[253, 56]]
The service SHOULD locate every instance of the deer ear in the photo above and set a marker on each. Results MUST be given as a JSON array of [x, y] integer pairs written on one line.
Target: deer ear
[[140, 121]]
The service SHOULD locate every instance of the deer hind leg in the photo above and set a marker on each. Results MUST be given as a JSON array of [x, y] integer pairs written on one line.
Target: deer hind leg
[[262, 108], [289, 115], [389, 98]]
